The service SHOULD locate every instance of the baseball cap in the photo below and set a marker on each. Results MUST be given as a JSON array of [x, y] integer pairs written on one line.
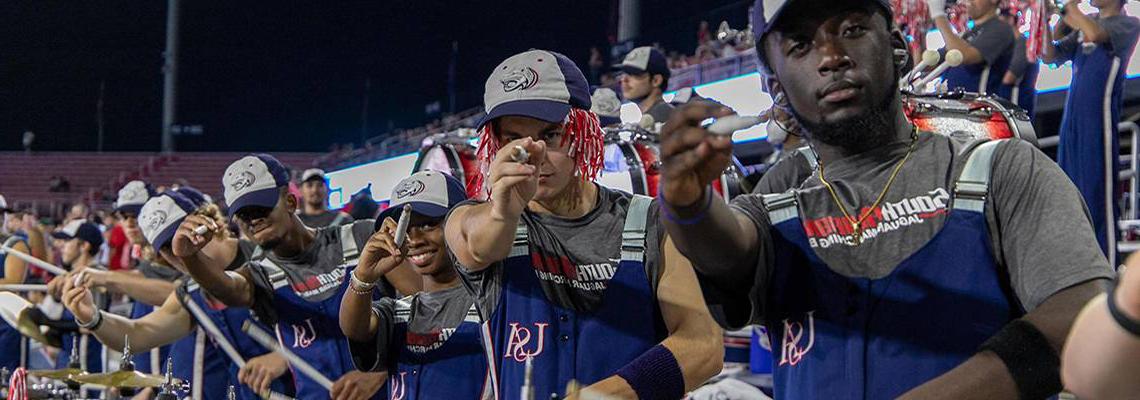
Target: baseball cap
[[765, 13], [195, 196], [254, 180], [430, 193], [4, 205], [645, 59], [313, 173], [161, 216], [82, 230], [132, 196], [607, 105], [538, 84]]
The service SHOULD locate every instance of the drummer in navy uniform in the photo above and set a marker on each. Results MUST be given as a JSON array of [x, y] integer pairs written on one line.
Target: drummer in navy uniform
[[572, 275], [909, 264], [987, 47], [430, 342], [292, 276]]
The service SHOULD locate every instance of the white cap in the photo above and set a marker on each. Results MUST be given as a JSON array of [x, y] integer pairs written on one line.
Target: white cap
[[132, 196], [313, 173], [161, 216], [253, 180]]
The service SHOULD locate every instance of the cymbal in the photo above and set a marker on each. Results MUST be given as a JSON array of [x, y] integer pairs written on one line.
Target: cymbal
[[14, 310], [123, 379], [61, 374]]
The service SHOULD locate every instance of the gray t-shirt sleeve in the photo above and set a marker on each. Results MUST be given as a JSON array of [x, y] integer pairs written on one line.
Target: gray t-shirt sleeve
[[483, 285], [1122, 32], [373, 356], [994, 41], [734, 308], [1044, 236]]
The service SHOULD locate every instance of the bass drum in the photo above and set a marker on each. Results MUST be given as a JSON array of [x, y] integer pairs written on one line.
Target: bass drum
[[632, 164], [969, 116], [452, 157]]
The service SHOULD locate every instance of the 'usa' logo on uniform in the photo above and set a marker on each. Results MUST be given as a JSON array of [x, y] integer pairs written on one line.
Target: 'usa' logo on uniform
[[520, 338], [792, 350]]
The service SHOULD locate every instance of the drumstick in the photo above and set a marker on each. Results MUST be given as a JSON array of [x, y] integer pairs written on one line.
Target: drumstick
[[519, 154], [261, 337], [24, 288], [201, 230], [34, 261], [726, 125], [402, 226], [220, 339]]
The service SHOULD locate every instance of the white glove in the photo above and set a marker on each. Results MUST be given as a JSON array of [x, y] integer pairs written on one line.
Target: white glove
[[937, 8]]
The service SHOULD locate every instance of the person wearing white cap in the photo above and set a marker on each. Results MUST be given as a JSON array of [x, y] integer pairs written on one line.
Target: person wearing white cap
[[645, 78], [13, 270], [605, 103], [574, 279], [205, 367], [433, 338], [302, 294], [149, 283], [314, 210], [79, 252]]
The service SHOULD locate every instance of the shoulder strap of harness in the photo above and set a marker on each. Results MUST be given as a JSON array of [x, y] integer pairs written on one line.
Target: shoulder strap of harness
[[809, 155], [339, 218], [519, 245], [633, 234], [973, 183], [348, 243], [781, 206]]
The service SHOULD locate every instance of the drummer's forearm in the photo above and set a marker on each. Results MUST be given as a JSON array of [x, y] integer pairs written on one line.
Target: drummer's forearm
[[149, 291], [720, 244], [230, 288], [484, 238], [161, 327]]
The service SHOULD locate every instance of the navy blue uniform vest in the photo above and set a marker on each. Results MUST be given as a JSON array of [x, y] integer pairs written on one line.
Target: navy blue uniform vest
[[449, 364], [565, 345], [229, 321], [839, 337], [10, 338]]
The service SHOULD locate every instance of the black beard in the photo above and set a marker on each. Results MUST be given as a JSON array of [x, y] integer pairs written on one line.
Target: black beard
[[873, 128]]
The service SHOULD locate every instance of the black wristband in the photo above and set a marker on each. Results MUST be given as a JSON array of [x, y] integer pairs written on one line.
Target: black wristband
[[1029, 358], [1126, 322]]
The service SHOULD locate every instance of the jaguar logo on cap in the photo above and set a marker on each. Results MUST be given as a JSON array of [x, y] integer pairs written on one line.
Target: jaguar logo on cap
[[243, 180], [409, 188], [522, 78], [151, 222]]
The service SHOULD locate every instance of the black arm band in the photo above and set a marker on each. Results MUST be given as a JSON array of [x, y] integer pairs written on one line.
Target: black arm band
[[1029, 358], [1125, 322]]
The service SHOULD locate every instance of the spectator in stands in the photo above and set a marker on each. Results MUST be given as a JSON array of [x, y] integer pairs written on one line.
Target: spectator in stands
[[645, 78], [596, 64], [77, 211], [703, 34], [29, 138], [315, 211]]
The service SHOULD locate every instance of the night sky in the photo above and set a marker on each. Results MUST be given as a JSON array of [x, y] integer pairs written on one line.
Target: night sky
[[285, 77]]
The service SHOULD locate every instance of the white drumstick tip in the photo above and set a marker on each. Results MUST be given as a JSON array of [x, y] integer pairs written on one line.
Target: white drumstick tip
[[519, 154], [930, 57], [725, 126], [201, 230], [402, 226], [954, 58]]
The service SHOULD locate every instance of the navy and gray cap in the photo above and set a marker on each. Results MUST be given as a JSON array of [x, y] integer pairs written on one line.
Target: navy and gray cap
[[645, 59], [254, 180], [538, 84], [162, 215], [82, 230], [430, 193]]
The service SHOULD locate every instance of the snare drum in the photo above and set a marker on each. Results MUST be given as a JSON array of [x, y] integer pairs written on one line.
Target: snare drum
[[632, 164], [453, 155], [969, 116]]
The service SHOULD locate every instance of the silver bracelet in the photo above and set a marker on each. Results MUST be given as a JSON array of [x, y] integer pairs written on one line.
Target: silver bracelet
[[359, 284], [94, 323]]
